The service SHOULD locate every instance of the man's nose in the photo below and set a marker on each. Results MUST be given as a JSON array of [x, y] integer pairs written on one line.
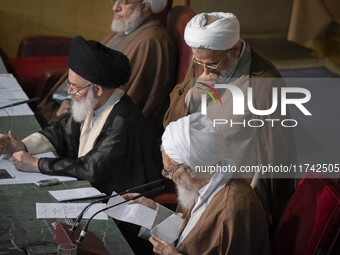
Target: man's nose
[[116, 7], [69, 91], [207, 70]]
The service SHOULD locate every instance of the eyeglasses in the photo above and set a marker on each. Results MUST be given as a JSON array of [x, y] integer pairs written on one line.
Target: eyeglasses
[[74, 89], [125, 2], [168, 173], [214, 67]]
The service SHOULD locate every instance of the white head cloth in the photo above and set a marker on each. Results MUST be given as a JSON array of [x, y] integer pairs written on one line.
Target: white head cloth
[[193, 141], [222, 34], [157, 5]]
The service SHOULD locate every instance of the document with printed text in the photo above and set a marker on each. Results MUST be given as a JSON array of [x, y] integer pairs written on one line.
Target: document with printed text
[[68, 210]]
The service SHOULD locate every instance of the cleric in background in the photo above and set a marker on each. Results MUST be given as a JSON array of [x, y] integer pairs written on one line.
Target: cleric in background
[[137, 33], [106, 140], [222, 215]]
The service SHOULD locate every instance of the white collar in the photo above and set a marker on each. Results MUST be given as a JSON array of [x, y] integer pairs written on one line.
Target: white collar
[[218, 179]]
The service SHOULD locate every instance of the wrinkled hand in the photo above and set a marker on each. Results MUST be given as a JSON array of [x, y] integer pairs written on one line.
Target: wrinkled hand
[[142, 200], [25, 162], [10, 144], [162, 247], [64, 108]]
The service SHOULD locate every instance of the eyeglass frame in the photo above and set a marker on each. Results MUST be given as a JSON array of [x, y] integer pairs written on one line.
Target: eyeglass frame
[[168, 173], [69, 85], [209, 66], [124, 2]]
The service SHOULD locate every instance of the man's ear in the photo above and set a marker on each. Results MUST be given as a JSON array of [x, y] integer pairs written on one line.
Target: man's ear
[[146, 6], [98, 90]]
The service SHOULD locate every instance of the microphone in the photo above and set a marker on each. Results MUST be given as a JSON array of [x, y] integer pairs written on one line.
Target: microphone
[[21, 102], [80, 216], [84, 231]]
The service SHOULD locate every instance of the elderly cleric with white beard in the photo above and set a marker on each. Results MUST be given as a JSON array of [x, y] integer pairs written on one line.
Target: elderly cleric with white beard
[[106, 140], [221, 56], [223, 215]]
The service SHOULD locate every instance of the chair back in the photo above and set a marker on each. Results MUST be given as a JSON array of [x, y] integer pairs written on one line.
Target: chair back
[[162, 16], [311, 221], [44, 45], [178, 18]]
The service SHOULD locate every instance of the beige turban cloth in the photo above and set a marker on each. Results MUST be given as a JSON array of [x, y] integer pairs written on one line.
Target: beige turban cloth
[[157, 5], [193, 141], [221, 34]]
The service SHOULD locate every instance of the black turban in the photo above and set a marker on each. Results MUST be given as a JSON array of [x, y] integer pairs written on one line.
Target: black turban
[[98, 64]]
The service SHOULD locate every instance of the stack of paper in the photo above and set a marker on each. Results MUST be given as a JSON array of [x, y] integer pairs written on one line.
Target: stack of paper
[[72, 194]]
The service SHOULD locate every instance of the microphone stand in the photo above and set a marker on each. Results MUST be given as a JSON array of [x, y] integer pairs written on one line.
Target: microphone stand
[[84, 231], [80, 216], [21, 102]]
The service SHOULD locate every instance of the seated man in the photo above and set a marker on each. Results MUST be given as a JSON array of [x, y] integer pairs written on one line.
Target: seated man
[[221, 56], [222, 215], [107, 140], [138, 34]]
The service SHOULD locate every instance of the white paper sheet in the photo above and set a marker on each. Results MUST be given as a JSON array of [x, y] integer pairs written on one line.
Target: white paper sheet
[[11, 92], [23, 177], [72, 194], [135, 213], [169, 228], [7, 81], [68, 210], [20, 110]]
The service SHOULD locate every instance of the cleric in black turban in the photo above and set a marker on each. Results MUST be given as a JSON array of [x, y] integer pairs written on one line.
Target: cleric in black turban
[[98, 64]]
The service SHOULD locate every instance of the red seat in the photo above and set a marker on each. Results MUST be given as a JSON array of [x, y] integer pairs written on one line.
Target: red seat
[[29, 70], [311, 221], [36, 55], [178, 18]]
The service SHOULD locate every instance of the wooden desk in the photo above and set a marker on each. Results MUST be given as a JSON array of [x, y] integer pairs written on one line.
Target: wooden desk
[[21, 232]]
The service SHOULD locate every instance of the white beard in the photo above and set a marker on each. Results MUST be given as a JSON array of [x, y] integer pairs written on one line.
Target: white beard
[[187, 192], [230, 69], [128, 24], [82, 108]]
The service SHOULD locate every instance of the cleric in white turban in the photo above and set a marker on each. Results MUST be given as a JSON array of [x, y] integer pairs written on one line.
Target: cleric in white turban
[[221, 33], [222, 215], [221, 56]]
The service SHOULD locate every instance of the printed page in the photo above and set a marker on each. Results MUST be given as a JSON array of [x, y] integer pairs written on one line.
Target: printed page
[[68, 210]]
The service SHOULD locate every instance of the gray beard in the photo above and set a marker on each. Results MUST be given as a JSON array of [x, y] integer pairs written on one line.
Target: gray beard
[[128, 24], [230, 69], [81, 109], [187, 192]]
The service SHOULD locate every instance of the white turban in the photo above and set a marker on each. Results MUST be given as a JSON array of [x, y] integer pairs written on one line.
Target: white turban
[[157, 5], [193, 141], [221, 34]]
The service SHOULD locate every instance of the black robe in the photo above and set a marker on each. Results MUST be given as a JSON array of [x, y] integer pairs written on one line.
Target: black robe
[[126, 152]]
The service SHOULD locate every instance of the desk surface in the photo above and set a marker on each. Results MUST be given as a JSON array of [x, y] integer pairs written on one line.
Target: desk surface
[[19, 228], [21, 126]]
